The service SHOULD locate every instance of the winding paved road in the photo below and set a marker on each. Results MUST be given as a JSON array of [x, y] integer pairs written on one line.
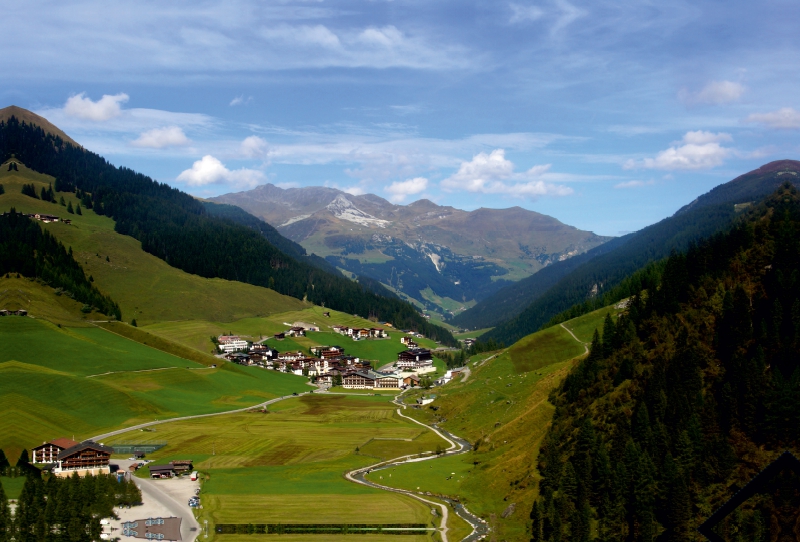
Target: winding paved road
[[457, 446]]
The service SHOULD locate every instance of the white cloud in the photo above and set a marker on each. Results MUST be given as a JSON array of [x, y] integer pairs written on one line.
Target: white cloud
[[354, 190], [633, 184], [714, 93], [786, 118], [105, 108], [400, 190], [493, 174], [209, 170], [254, 147], [697, 150], [521, 14], [241, 100], [158, 138]]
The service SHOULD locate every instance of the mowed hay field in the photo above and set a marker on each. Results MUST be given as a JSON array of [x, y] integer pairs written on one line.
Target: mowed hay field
[[287, 465], [65, 381], [502, 408], [145, 287]]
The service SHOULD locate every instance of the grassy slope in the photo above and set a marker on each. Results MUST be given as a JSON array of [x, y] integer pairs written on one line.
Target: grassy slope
[[286, 466], [46, 391], [502, 406], [145, 287]]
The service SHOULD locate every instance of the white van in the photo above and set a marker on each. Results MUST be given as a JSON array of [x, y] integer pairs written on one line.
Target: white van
[[194, 476]]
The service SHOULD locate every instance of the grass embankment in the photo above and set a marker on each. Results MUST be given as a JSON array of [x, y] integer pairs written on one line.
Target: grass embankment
[[145, 287], [65, 381], [286, 466], [503, 409]]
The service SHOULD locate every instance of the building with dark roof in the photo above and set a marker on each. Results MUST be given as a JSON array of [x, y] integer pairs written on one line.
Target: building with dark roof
[[87, 457]]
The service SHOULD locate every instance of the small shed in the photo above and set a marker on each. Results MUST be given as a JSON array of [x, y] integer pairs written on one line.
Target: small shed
[[161, 471]]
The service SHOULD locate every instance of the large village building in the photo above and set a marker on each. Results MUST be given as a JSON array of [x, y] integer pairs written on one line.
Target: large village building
[[367, 380], [48, 452], [231, 343], [84, 458], [415, 358]]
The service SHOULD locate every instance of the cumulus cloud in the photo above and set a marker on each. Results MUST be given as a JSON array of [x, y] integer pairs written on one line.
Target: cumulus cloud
[[254, 147], [786, 118], [633, 184], [158, 138], [714, 93], [105, 108], [697, 150], [400, 190], [494, 174], [354, 190], [208, 170]]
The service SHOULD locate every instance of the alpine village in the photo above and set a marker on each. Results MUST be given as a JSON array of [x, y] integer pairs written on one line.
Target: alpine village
[[238, 359]]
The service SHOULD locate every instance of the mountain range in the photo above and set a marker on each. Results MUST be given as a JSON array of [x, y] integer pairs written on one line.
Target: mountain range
[[443, 258]]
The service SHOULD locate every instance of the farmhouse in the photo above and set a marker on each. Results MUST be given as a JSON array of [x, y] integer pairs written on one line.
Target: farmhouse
[[411, 380], [154, 528], [231, 343], [84, 458], [48, 452], [291, 355], [296, 331], [279, 336], [377, 333]]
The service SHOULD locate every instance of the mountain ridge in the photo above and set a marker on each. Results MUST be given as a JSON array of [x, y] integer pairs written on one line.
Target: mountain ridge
[[442, 257], [570, 286]]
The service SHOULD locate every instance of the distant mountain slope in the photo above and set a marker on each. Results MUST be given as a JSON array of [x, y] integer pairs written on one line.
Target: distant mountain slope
[[706, 215], [177, 228], [424, 250]]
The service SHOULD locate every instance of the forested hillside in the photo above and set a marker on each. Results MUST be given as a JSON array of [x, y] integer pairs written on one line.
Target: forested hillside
[[30, 251], [686, 397], [178, 229], [709, 214]]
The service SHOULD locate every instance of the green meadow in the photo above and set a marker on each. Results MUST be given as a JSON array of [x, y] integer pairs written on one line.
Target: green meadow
[[287, 465], [502, 408], [65, 381]]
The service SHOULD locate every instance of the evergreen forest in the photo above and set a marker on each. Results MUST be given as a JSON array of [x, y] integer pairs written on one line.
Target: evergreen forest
[[179, 229], [685, 397], [64, 509]]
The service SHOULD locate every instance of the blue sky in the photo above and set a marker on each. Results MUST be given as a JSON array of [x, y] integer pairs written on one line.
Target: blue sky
[[607, 115]]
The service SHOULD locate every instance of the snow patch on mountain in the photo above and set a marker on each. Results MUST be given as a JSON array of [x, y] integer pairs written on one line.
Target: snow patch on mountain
[[294, 219], [343, 208]]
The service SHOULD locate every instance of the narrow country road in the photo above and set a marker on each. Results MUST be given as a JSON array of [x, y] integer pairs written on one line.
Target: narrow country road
[[457, 446], [585, 346]]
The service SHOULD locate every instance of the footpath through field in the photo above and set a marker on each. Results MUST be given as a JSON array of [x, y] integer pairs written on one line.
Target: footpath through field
[[585, 346]]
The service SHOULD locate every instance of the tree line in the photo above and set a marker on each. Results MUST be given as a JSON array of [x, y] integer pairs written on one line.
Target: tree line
[[684, 398], [180, 230], [29, 250]]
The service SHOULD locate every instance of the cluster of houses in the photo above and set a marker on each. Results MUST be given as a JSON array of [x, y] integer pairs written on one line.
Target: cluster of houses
[[64, 456], [328, 365], [357, 333], [18, 312]]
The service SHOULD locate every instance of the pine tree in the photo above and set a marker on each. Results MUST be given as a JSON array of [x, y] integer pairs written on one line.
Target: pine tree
[[5, 516], [69, 209], [78, 210], [62, 202], [2, 190], [609, 336]]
